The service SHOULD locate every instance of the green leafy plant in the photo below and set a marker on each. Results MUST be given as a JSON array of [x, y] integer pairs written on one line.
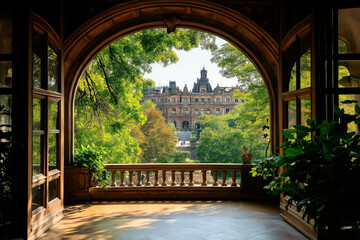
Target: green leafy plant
[[322, 174], [267, 168], [91, 157]]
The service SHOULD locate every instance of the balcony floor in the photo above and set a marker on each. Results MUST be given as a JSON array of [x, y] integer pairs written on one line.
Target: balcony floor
[[172, 220]]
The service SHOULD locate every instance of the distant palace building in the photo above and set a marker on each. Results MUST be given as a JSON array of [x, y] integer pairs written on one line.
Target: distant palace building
[[182, 108]]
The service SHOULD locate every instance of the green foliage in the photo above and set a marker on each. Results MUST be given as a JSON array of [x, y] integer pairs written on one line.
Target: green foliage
[[107, 109], [91, 157], [222, 137], [322, 174], [267, 168]]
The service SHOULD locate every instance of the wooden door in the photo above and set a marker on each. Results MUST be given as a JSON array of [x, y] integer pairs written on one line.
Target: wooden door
[[47, 127]]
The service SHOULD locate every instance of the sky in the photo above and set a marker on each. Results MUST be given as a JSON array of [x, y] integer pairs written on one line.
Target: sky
[[187, 70]]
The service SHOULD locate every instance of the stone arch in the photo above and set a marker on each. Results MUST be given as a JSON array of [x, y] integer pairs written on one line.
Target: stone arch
[[135, 16]]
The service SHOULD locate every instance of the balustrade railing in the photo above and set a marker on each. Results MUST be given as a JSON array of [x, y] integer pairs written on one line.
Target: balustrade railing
[[177, 175]]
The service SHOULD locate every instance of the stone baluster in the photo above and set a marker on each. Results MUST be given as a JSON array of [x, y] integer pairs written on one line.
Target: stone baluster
[[113, 173], [147, 179], [233, 176], [122, 179], [191, 178], [138, 179], [156, 183], [131, 184], [215, 178], [182, 183], [224, 178], [173, 183], [204, 184], [164, 184]]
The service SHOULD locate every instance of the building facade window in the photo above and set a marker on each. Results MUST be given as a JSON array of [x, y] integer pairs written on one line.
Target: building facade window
[[173, 100], [218, 100], [227, 99], [208, 111], [217, 111], [185, 100], [186, 111], [202, 99], [202, 90], [196, 111], [209, 100], [202, 111], [196, 100], [236, 100], [173, 111], [227, 110]]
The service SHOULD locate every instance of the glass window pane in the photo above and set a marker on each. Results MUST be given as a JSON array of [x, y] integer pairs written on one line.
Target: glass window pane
[[36, 71], [37, 114], [54, 189], [349, 26], [53, 115], [349, 73], [5, 112], [292, 81], [291, 107], [5, 74], [53, 151], [342, 47], [5, 32], [305, 70], [305, 110], [349, 108], [36, 154], [53, 70], [37, 197]]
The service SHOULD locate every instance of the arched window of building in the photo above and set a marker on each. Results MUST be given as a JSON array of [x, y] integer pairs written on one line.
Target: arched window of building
[[185, 125]]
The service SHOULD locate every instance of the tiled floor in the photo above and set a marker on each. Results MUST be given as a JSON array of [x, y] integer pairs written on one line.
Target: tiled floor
[[172, 220]]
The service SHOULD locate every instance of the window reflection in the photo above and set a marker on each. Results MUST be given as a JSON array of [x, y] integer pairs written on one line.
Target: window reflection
[[349, 108], [53, 70], [305, 110], [53, 153], [37, 197], [349, 25], [305, 70], [36, 114], [5, 32], [291, 108], [5, 74], [53, 115], [292, 81], [5, 112], [36, 71], [53, 189], [36, 154]]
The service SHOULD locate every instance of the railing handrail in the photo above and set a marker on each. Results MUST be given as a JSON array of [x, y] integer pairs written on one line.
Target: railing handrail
[[176, 166]]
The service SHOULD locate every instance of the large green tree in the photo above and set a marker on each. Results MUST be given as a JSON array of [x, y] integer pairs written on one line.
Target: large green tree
[[107, 109], [222, 137]]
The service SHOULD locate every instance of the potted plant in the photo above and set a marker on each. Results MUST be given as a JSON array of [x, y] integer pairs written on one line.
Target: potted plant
[[87, 167], [91, 157], [322, 175]]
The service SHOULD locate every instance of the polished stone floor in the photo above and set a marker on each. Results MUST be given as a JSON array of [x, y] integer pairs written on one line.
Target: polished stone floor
[[160, 220]]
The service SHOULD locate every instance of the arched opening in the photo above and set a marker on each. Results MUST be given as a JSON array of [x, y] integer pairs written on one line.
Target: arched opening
[[85, 43], [185, 125]]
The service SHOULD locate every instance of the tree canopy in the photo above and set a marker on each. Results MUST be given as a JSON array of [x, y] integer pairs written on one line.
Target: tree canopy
[[222, 137], [107, 109]]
